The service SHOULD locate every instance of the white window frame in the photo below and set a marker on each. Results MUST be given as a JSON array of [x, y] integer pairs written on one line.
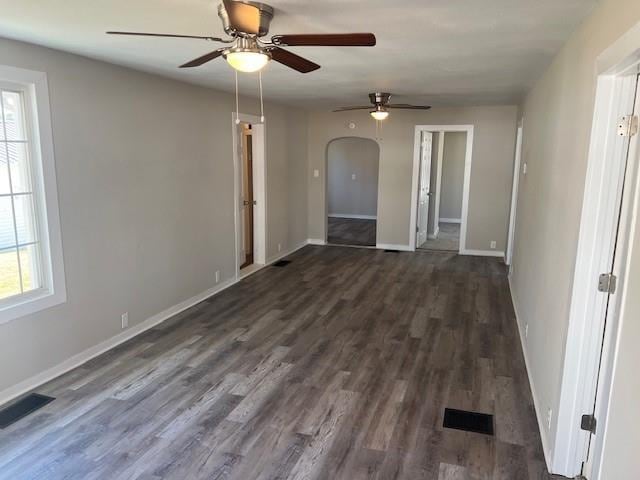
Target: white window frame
[[36, 103]]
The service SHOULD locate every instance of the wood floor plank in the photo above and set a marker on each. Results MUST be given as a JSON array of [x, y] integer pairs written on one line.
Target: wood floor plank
[[338, 366]]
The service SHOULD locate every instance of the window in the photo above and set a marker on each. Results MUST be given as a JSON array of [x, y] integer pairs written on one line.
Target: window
[[31, 269]]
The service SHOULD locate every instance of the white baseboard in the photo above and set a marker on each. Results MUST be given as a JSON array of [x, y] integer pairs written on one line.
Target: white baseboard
[[434, 235], [391, 246], [450, 220], [482, 253], [536, 403], [316, 241], [75, 361], [281, 255], [351, 215]]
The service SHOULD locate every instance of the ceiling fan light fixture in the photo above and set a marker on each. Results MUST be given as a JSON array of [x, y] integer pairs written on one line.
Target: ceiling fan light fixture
[[379, 113], [248, 61]]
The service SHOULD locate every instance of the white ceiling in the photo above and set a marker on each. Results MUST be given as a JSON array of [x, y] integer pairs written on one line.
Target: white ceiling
[[441, 52]]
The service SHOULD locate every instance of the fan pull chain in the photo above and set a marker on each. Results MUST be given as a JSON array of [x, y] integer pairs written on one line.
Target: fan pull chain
[[261, 101], [237, 102]]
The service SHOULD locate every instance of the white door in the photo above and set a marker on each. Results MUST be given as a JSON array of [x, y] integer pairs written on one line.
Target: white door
[[426, 140]]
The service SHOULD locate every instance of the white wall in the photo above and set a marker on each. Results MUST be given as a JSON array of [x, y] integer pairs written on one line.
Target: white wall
[[455, 146], [493, 151], [144, 168], [557, 113], [347, 157]]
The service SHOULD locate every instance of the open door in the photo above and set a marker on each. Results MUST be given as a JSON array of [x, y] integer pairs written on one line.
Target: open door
[[247, 196], [424, 192]]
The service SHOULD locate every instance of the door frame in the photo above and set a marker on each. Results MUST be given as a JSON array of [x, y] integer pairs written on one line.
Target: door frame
[[514, 196], [438, 189], [468, 129], [585, 346], [259, 149]]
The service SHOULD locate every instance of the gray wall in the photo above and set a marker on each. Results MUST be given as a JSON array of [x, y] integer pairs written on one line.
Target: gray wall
[[558, 114], [145, 171], [452, 174], [347, 157], [493, 151]]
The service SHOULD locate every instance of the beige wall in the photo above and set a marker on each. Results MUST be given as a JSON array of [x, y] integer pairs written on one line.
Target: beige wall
[[455, 145], [493, 149], [557, 122], [347, 195], [144, 168]]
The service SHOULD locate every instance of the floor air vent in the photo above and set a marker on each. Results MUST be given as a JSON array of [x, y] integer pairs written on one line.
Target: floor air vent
[[392, 251], [22, 408], [282, 263], [468, 421]]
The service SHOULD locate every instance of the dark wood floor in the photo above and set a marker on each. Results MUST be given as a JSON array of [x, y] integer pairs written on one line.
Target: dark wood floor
[[337, 366], [352, 231]]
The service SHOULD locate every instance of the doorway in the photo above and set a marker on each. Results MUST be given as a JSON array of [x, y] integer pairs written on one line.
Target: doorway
[[601, 283], [443, 159], [248, 202], [352, 191], [250, 193]]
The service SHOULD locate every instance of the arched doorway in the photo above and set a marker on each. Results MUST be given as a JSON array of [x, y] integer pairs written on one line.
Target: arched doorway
[[352, 191]]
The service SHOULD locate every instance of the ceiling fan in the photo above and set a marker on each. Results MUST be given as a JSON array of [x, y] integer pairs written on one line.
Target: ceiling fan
[[381, 105], [246, 22]]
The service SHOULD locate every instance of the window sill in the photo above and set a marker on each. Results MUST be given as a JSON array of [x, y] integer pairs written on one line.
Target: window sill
[[30, 303]]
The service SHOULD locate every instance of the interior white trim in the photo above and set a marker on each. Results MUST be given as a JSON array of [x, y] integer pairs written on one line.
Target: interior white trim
[[353, 215], [438, 192], [316, 241], [614, 92], [86, 355], [482, 253], [450, 220], [393, 246], [75, 361], [35, 86], [544, 433], [514, 197], [259, 149], [467, 180]]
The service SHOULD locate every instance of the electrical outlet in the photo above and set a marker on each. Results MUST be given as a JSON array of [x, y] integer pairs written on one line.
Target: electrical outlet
[[217, 276], [353, 176], [125, 319], [279, 247], [316, 173], [493, 244], [549, 415], [524, 168], [526, 330]]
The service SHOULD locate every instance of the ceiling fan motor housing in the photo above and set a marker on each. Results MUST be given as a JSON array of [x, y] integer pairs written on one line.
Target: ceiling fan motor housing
[[380, 98], [265, 13]]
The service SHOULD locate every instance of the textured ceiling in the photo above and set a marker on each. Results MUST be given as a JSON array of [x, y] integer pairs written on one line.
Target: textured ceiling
[[442, 52]]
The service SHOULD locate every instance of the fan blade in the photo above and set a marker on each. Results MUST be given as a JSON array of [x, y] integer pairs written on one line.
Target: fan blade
[[243, 17], [167, 35], [292, 60], [203, 59], [326, 40], [407, 106], [346, 109]]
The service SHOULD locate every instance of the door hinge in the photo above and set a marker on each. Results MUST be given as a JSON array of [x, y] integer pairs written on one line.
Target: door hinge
[[588, 424], [607, 283], [628, 126]]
